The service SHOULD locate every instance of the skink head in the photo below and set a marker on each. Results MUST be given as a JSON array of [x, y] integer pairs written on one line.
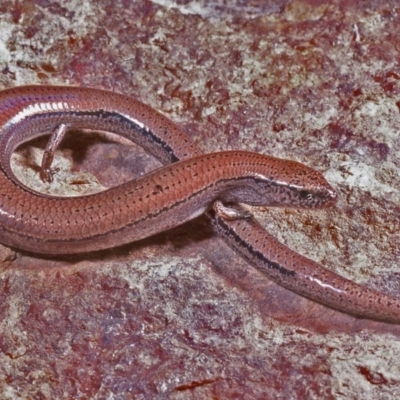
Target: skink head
[[301, 186], [276, 182]]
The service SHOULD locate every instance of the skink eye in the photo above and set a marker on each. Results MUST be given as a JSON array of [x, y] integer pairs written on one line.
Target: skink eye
[[304, 194]]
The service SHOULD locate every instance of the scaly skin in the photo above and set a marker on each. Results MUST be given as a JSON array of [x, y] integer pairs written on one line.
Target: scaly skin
[[26, 112], [304, 276]]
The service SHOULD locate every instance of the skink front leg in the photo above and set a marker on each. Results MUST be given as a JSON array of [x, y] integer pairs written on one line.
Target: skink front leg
[[46, 173]]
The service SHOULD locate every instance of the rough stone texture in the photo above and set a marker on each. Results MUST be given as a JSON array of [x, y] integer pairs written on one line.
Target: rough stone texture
[[179, 316]]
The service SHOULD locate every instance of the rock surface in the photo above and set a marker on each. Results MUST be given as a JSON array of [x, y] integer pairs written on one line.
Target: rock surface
[[179, 316]]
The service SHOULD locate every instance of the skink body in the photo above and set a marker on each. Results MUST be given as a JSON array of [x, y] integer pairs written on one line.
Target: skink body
[[166, 197], [158, 201]]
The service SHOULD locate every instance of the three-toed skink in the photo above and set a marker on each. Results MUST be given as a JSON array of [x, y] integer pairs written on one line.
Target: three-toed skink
[[185, 187]]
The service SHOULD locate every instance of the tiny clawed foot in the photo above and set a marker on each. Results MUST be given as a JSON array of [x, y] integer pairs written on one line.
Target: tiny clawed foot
[[230, 213], [46, 174]]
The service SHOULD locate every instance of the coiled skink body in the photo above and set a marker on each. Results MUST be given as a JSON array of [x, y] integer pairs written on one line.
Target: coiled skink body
[[183, 189]]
